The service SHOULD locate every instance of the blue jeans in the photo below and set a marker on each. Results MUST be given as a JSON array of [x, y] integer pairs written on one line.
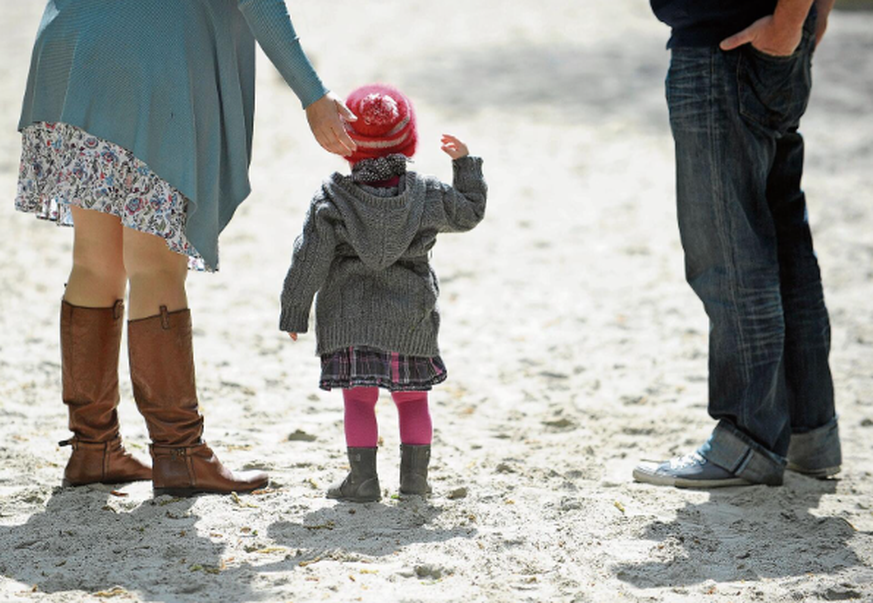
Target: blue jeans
[[748, 248]]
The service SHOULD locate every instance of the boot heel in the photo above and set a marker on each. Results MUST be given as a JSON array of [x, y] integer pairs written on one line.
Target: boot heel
[[369, 491]]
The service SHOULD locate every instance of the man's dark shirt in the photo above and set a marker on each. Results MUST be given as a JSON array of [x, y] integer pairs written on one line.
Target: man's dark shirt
[[708, 22]]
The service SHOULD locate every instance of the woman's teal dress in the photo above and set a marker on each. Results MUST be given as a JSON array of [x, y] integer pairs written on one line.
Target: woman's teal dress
[[172, 81]]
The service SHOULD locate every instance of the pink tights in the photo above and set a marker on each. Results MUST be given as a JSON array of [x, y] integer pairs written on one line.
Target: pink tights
[[360, 417]]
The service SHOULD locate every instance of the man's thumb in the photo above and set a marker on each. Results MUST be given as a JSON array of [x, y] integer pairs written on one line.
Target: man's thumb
[[737, 40]]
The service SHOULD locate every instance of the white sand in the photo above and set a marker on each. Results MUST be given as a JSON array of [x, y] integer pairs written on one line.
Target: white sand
[[574, 346]]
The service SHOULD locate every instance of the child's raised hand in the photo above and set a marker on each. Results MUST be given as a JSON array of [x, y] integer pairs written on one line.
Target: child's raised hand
[[293, 336], [453, 147]]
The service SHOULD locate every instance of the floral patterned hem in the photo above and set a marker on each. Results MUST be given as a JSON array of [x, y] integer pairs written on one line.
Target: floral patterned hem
[[370, 367], [63, 166]]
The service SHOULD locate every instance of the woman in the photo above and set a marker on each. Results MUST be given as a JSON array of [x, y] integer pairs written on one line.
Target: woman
[[137, 129]]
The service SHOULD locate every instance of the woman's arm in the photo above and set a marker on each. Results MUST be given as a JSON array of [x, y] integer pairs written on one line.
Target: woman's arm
[[313, 255], [271, 25]]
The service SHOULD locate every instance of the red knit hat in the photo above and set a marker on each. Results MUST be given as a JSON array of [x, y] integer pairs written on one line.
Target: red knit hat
[[386, 123]]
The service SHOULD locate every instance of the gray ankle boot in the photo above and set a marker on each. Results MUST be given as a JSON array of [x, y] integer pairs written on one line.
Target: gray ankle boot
[[362, 482], [414, 460]]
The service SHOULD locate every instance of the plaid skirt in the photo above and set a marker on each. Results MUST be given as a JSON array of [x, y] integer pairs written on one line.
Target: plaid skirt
[[370, 367]]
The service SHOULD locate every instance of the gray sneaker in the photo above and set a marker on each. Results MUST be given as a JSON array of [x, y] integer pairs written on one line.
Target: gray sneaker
[[688, 471]]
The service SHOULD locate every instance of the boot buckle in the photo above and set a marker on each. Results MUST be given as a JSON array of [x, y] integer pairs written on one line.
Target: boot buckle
[[172, 452]]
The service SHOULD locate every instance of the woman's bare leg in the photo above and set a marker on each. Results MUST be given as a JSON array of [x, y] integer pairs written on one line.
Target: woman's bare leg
[[157, 275], [97, 279]]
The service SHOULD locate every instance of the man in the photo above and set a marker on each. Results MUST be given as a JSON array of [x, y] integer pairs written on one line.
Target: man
[[735, 102]]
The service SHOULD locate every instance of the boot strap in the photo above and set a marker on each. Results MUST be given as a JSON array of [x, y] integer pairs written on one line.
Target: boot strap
[[75, 442], [177, 451]]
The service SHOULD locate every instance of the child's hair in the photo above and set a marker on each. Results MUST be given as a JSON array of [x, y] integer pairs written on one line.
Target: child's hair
[[385, 125]]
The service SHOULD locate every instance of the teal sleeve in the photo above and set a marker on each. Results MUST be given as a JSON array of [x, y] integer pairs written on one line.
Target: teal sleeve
[[271, 25]]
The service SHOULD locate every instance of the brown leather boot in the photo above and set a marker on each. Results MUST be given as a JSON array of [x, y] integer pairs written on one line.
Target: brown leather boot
[[162, 371], [90, 342]]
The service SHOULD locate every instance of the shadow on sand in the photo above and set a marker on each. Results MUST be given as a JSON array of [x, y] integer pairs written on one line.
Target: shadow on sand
[[90, 540], [350, 532], [87, 539], [746, 534]]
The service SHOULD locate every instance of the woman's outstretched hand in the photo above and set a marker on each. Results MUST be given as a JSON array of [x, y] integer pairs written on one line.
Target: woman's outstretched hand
[[325, 118], [453, 147], [293, 336]]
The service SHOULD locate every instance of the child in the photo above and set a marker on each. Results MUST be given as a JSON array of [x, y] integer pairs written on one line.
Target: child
[[364, 249]]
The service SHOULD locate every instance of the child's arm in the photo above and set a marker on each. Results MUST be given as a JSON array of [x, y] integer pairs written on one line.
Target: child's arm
[[313, 254], [463, 203]]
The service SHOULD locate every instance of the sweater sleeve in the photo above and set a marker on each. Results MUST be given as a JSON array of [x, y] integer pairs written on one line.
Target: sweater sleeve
[[313, 255], [271, 25], [463, 203]]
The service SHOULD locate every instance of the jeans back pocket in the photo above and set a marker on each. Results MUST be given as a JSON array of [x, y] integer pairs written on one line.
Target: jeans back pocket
[[774, 90]]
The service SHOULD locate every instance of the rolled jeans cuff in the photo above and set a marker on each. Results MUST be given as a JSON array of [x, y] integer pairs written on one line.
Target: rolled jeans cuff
[[816, 449], [731, 449]]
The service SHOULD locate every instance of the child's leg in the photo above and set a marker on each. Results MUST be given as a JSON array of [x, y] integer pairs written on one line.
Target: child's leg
[[415, 424], [362, 438], [360, 417]]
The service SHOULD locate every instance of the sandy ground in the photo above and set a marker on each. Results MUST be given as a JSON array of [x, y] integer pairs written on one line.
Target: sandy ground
[[574, 347]]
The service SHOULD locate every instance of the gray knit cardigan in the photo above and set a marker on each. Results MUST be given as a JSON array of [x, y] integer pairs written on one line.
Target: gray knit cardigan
[[367, 258]]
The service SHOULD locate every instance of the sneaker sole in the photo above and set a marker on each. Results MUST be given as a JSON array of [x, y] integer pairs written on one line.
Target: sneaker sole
[[679, 482]]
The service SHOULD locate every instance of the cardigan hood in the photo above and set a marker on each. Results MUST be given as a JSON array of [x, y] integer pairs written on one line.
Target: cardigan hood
[[379, 230]]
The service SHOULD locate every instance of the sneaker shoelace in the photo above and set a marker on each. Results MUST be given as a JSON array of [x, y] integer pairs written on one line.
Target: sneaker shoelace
[[687, 460]]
